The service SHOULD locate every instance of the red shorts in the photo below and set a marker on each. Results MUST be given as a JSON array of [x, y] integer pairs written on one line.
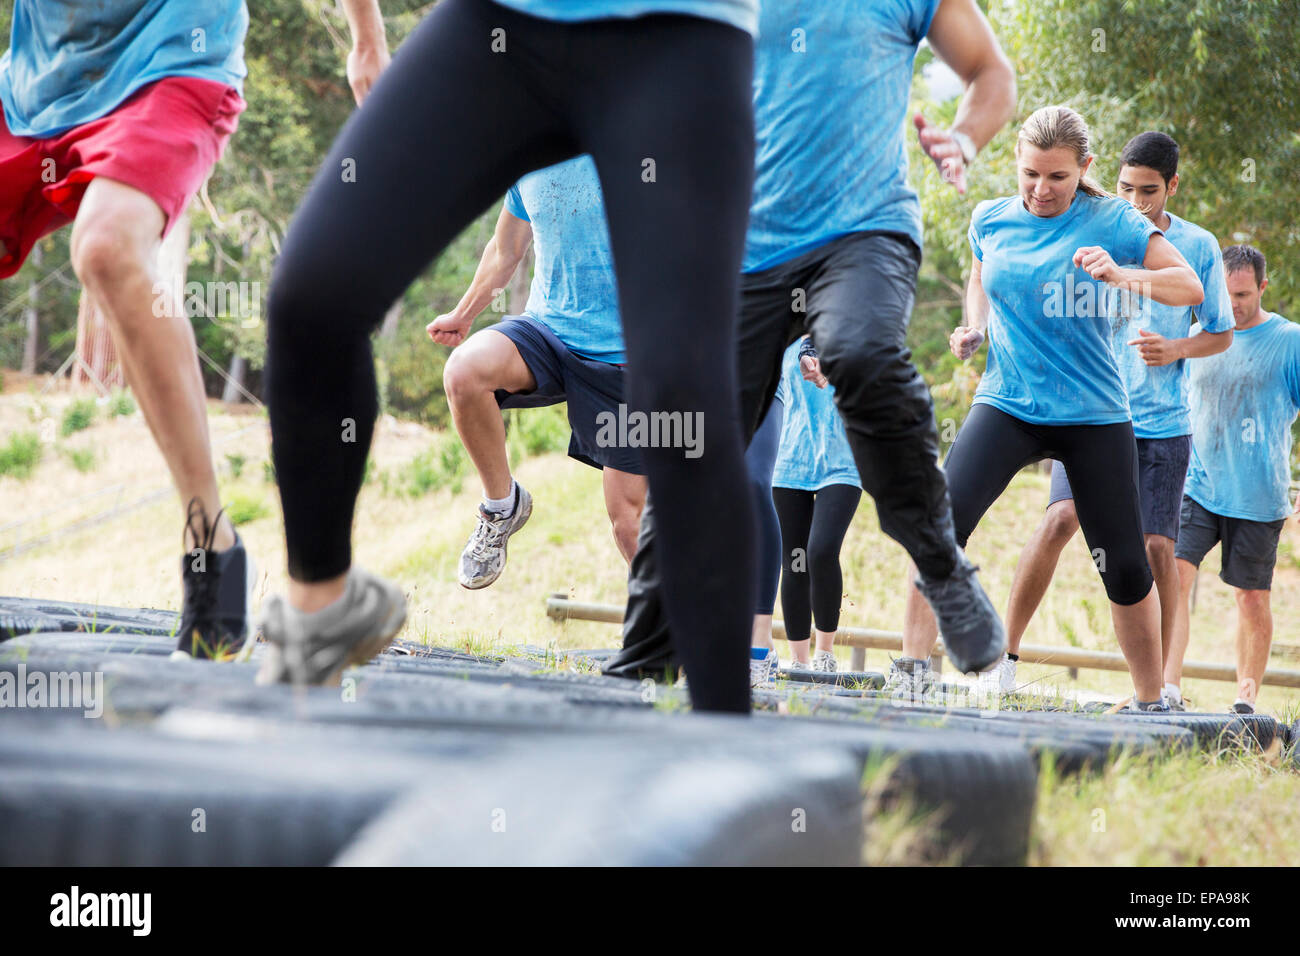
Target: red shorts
[[163, 140]]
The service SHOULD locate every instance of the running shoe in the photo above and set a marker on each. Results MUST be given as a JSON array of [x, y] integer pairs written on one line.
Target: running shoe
[[762, 669], [218, 594], [484, 557], [798, 665], [824, 662], [316, 648], [971, 629], [1159, 707], [1000, 678], [1240, 706], [909, 680]]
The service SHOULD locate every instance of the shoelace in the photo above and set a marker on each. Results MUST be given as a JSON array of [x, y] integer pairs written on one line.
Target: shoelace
[[201, 594], [487, 534]]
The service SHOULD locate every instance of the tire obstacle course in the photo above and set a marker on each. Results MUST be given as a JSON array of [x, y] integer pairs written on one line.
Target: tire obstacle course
[[433, 756]]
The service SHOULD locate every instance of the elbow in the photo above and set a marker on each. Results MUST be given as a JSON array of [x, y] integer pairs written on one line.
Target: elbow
[[1195, 291], [1222, 341]]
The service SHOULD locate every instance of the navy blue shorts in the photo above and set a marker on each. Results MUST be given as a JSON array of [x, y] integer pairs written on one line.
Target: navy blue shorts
[[1162, 468], [588, 387]]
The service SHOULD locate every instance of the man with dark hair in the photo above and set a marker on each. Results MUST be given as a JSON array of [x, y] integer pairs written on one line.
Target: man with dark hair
[[833, 249], [1238, 484], [1152, 344]]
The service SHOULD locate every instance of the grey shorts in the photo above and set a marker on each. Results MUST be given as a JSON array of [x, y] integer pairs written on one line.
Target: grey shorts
[[1249, 547], [1162, 468]]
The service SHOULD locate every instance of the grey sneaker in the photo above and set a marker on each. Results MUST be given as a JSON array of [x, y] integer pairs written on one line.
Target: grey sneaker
[[823, 661], [484, 557], [316, 648], [1240, 706], [971, 629], [909, 680], [1159, 707]]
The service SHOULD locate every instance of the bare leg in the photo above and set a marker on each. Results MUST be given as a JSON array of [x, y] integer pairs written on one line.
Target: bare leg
[[624, 501], [115, 242], [1137, 628], [920, 629], [1160, 555], [762, 633], [487, 361], [1036, 567], [1180, 625], [1254, 638], [799, 650], [825, 640]]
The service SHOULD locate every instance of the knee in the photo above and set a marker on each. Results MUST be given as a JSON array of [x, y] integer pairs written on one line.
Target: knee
[[1252, 602], [1160, 552], [104, 252], [1128, 581], [463, 373], [1060, 523]]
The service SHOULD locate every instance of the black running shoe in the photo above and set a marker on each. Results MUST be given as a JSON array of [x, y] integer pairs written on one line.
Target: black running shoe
[[971, 629], [218, 591]]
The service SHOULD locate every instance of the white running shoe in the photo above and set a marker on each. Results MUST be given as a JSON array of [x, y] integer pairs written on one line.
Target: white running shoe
[[823, 661], [1000, 678], [484, 557], [762, 669]]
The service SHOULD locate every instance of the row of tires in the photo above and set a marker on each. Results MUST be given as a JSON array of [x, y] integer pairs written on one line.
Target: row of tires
[[407, 760]]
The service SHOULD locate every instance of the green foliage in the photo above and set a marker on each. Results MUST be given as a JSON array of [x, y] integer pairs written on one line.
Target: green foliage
[[82, 459], [236, 463], [443, 466], [244, 507], [536, 431], [121, 404], [77, 416], [20, 455]]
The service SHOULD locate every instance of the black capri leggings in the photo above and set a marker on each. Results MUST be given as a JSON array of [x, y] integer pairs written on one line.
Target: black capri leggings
[[760, 461], [1101, 461], [813, 525], [663, 105]]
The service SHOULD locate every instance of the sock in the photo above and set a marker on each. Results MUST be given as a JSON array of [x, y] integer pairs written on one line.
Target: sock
[[1012, 657], [504, 507], [1173, 692]]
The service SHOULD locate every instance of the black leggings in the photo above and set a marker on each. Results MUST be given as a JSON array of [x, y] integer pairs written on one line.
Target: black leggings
[[663, 105], [813, 525], [760, 461], [1101, 461]]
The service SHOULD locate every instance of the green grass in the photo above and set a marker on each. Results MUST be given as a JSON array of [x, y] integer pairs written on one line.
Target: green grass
[[78, 416], [121, 404], [245, 507], [82, 459], [20, 455]]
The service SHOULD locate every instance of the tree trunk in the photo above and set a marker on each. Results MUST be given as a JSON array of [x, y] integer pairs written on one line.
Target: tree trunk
[[32, 315], [94, 337], [237, 373]]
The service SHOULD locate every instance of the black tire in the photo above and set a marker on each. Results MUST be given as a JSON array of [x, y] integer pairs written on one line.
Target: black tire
[[70, 616], [854, 680]]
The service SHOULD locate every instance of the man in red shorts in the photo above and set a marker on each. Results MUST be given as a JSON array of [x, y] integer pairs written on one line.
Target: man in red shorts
[[114, 115]]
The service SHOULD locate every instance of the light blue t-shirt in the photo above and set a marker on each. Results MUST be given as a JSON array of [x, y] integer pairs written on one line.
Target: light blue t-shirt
[[742, 14], [832, 81], [574, 292], [1243, 403], [72, 61], [814, 451], [1050, 360], [1157, 396]]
